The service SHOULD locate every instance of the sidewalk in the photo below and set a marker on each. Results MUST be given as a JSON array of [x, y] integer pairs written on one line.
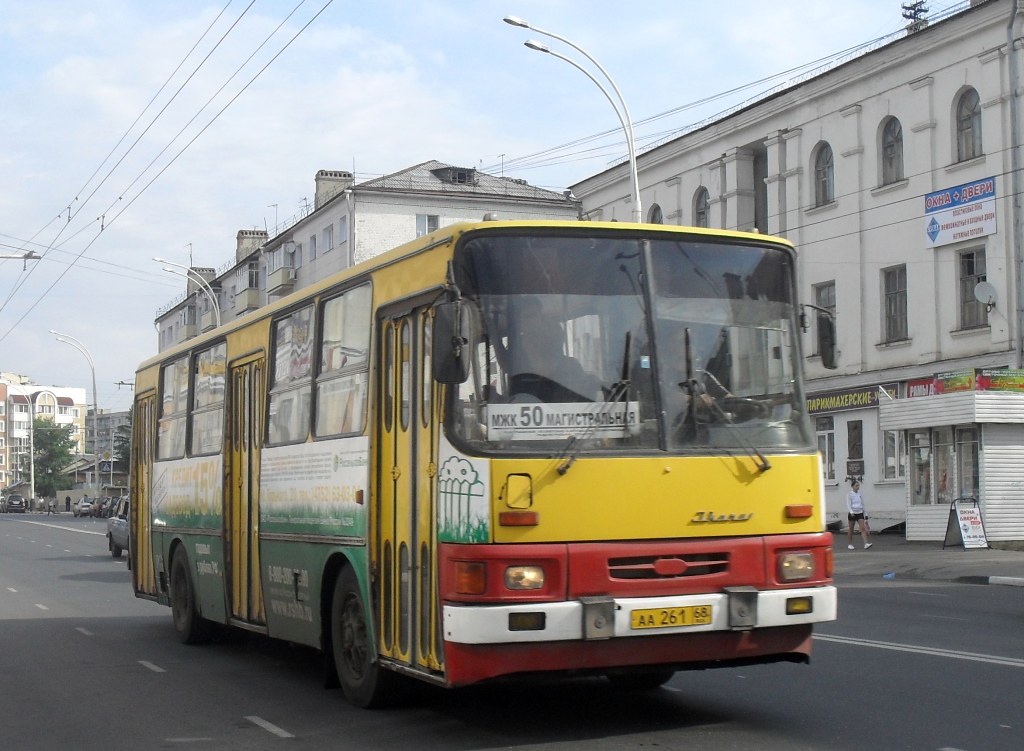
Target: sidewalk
[[893, 554]]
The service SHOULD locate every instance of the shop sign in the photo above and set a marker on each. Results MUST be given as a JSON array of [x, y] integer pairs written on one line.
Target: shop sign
[[1000, 380], [963, 212], [980, 379], [954, 381], [843, 399]]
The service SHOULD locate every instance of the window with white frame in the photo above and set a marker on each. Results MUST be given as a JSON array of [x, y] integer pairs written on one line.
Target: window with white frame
[[972, 271], [656, 215], [894, 281], [894, 452], [968, 126], [892, 151], [312, 247], [426, 223], [824, 175], [328, 237], [824, 297], [701, 207], [825, 428], [343, 230]]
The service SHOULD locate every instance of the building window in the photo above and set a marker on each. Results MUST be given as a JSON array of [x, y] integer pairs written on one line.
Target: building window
[[920, 467], [967, 462], [972, 271], [655, 215], [826, 431], [824, 177], [298, 255], [894, 451], [895, 284], [855, 439], [824, 297], [425, 224], [328, 237], [892, 151], [312, 247], [701, 206], [968, 126], [254, 275], [343, 230]]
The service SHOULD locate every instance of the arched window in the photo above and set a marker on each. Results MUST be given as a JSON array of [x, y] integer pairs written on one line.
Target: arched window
[[968, 126], [655, 215], [892, 151], [701, 206], [824, 177]]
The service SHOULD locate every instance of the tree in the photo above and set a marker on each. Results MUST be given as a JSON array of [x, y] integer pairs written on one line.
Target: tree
[[123, 440], [54, 447]]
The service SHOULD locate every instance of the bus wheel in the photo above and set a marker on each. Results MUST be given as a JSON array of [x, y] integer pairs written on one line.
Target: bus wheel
[[191, 627], [646, 681], [363, 681]]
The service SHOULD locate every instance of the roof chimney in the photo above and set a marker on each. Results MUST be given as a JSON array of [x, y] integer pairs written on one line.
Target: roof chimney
[[330, 183], [248, 241]]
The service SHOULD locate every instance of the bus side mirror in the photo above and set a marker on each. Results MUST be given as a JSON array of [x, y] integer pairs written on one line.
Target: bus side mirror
[[450, 343], [827, 340]]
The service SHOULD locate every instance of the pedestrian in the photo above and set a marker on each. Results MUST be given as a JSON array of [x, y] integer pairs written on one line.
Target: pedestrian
[[855, 514], [50, 506], [67, 503]]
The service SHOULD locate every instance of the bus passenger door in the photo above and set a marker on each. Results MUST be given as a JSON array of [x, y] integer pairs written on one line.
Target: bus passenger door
[[242, 490], [405, 554], [140, 551]]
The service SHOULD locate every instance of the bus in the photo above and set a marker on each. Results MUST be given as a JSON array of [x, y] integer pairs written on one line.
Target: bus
[[506, 449]]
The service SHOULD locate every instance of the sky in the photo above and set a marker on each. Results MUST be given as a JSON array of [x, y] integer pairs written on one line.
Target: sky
[[138, 128]]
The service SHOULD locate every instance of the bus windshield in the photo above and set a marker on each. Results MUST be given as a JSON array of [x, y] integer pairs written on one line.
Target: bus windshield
[[661, 341]]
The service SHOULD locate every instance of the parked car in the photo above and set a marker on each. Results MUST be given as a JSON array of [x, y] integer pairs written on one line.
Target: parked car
[[82, 507], [117, 527], [15, 504]]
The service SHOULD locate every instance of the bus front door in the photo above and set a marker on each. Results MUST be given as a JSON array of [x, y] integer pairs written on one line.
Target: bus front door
[[404, 550], [242, 492]]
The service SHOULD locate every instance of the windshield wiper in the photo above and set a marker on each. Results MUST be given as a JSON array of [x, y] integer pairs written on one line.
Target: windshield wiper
[[615, 393]]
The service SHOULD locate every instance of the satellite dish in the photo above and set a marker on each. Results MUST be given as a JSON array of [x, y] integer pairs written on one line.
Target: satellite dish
[[985, 293]]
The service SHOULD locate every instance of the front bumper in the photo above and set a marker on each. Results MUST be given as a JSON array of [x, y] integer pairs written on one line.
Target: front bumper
[[578, 620]]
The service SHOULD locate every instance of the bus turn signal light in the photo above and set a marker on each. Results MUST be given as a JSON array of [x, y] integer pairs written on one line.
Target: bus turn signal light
[[799, 511], [470, 577]]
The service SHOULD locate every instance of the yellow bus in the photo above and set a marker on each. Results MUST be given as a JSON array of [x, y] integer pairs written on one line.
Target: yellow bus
[[507, 448]]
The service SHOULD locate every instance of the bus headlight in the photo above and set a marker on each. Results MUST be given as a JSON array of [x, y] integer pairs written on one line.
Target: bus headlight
[[524, 577], [796, 566]]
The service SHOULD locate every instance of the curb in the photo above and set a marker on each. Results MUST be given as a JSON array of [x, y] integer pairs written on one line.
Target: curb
[[1009, 581]]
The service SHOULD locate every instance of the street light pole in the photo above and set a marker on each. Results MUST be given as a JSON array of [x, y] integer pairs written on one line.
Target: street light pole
[[192, 274], [68, 339], [620, 109]]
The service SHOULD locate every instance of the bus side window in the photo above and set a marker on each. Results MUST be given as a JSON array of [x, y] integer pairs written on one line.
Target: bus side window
[[292, 341]]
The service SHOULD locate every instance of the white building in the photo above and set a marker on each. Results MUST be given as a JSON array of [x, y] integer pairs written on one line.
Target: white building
[[898, 176], [348, 223]]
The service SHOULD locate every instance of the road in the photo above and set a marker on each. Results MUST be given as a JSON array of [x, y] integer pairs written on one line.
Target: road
[[84, 665]]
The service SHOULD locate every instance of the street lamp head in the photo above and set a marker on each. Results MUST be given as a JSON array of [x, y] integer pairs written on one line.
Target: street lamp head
[[533, 44], [158, 259], [516, 21]]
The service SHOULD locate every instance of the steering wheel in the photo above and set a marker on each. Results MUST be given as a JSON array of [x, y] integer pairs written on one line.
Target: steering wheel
[[743, 408]]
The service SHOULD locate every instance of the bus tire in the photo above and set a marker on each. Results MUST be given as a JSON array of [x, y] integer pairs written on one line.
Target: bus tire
[[189, 625], [644, 681], [363, 681]]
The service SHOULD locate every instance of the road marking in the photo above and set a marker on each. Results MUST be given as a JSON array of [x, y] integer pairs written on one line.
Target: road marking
[[197, 739], [270, 728], [11, 589], [61, 526], [41, 607], [933, 651], [82, 630], [151, 666]]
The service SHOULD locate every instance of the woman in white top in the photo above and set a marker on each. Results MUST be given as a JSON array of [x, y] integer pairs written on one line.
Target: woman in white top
[[855, 514]]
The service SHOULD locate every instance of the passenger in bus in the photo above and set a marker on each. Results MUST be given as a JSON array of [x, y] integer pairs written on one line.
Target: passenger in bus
[[539, 368]]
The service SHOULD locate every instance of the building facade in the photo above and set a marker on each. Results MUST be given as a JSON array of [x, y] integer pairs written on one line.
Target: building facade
[[20, 402], [347, 223], [898, 177]]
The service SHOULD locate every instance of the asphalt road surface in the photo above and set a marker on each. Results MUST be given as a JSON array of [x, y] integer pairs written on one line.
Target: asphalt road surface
[[84, 665]]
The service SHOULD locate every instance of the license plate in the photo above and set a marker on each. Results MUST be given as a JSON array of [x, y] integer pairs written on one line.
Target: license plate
[[690, 615]]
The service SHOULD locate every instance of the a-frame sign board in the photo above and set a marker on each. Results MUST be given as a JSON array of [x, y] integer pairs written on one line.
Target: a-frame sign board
[[965, 526]]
